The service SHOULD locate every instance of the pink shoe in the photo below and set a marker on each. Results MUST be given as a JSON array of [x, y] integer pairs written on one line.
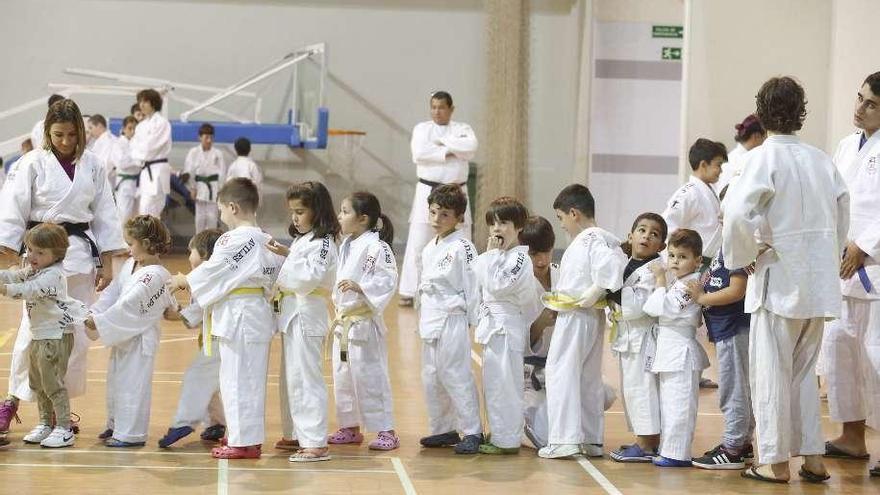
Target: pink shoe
[[345, 435], [8, 410], [227, 452], [385, 440]]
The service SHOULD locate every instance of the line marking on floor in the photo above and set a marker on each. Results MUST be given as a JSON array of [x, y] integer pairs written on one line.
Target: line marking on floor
[[223, 477], [5, 336], [598, 476], [199, 468], [102, 450], [408, 487]]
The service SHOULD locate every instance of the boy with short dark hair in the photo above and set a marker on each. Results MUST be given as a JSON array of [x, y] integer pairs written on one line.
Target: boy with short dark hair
[[243, 166], [206, 172]]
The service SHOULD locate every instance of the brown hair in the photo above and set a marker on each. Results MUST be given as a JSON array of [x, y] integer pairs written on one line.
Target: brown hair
[[129, 119], [204, 241], [705, 150], [781, 105], [506, 208], [747, 128], [206, 128], [150, 232], [538, 235], [242, 192], [63, 112], [152, 96], [687, 239], [366, 203], [449, 197], [48, 236], [314, 196], [626, 246]]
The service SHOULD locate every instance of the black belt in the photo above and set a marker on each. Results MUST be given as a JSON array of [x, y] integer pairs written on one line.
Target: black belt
[[537, 363], [148, 166], [74, 230], [124, 177], [434, 185], [207, 180]]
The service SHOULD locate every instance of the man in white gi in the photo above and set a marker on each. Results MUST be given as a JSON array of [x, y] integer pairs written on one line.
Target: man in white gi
[[792, 194], [150, 146], [441, 150], [850, 349]]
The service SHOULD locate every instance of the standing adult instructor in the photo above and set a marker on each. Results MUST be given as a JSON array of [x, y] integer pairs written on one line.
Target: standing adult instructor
[[441, 150]]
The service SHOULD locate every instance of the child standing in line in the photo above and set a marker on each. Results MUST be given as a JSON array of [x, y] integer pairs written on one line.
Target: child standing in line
[[206, 172]]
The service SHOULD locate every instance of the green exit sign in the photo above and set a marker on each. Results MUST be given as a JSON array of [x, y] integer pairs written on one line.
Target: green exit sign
[[670, 53], [667, 32]]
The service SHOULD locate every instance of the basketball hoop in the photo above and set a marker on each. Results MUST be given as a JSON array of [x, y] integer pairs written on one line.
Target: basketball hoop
[[343, 146]]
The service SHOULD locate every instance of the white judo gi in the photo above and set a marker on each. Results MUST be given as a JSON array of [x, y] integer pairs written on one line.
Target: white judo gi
[[430, 145], [361, 384], [850, 359], [695, 206], [150, 147], [232, 287], [127, 317], [38, 189], [507, 290], [794, 196], [243, 166], [304, 282], [37, 134], [448, 302], [200, 401], [127, 175], [103, 148], [207, 172], [634, 341], [592, 264], [678, 362], [732, 169]]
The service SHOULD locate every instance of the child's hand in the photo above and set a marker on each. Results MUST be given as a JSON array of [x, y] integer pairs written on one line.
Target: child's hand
[[2, 289], [694, 288], [349, 285], [494, 242], [278, 248], [658, 269], [172, 313], [750, 270], [91, 329], [178, 282]]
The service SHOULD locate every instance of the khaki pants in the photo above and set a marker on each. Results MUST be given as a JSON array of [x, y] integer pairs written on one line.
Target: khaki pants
[[48, 366]]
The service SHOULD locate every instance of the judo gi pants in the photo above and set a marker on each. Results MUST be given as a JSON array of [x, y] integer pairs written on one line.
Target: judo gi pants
[[207, 215], [129, 391], [785, 395], [575, 392], [200, 393], [48, 365], [679, 401], [845, 362], [82, 288], [127, 200], [244, 367], [503, 390], [361, 384], [303, 390], [734, 394], [450, 389], [640, 390]]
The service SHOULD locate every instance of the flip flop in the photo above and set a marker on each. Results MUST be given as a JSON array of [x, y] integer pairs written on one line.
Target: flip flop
[[303, 456], [752, 473], [875, 471], [811, 477], [834, 452]]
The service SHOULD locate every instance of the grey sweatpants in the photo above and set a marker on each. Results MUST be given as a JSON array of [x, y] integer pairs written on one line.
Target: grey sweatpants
[[733, 389]]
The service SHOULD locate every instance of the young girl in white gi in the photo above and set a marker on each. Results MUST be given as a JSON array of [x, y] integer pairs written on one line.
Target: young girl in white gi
[[366, 277], [232, 287], [206, 171], [448, 300], [200, 392], [126, 318], [507, 291], [61, 183], [635, 338], [52, 316], [592, 265], [304, 283], [679, 357]]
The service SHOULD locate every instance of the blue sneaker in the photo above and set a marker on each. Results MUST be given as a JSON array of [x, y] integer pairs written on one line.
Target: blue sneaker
[[632, 453], [661, 461], [173, 435], [112, 442]]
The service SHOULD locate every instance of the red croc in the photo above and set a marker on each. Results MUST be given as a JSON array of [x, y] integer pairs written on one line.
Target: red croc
[[227, 452]]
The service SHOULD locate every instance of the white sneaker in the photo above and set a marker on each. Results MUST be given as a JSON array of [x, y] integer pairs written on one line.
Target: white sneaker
[[38, 434], [560, 450], [591, 450], [60, 437]]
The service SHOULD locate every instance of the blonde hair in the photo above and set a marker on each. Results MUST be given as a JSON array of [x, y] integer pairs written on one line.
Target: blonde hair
[[150, 232], [48, 236], [62, 112]]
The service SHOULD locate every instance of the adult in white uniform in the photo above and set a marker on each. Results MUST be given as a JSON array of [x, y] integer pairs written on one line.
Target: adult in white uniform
[[441, 150], [37, 131], [63, 184], [792, 194], [749, 133], [150, 146], [850, 349]]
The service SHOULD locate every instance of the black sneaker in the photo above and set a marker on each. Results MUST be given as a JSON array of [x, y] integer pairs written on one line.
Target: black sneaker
[[447, 439], [720, 458], [470, 444]]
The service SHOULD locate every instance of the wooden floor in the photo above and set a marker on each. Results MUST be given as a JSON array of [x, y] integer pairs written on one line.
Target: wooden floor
[[91, 468]]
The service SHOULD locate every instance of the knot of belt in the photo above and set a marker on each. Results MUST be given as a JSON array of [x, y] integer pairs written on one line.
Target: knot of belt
[[346, 319], [208, 180]]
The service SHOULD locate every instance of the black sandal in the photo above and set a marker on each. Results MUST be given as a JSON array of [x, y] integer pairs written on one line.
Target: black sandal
[[875, 471], [834, 452], [811, 477], [752, 473]]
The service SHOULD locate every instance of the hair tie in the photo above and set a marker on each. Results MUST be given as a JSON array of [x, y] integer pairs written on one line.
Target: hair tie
[[379, 224]]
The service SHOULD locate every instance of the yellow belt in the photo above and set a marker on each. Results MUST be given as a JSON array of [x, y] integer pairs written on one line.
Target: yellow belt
[[563, 302], [346, 319], [281, 294], [209, 319]]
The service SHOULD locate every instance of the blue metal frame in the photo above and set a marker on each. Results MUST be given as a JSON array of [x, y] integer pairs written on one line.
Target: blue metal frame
[[228, 132]]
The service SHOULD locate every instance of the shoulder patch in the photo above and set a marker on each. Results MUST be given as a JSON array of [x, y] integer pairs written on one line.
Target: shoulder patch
[[469, 252]]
